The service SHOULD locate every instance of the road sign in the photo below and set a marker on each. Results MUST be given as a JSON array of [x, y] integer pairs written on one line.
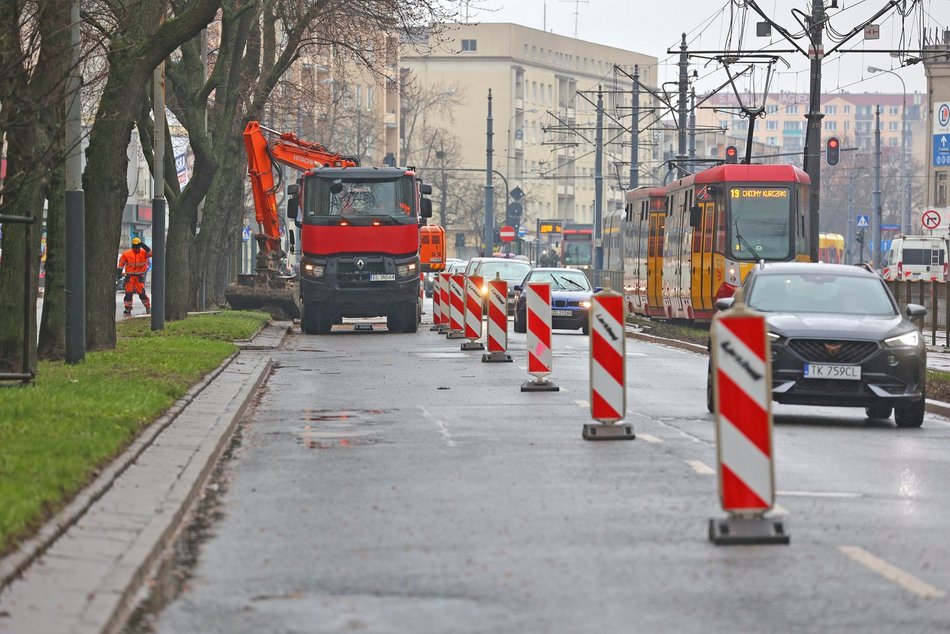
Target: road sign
[[506, 234], [864, 221], [930, 219], [522, 231], [890, 227], [517, 193]]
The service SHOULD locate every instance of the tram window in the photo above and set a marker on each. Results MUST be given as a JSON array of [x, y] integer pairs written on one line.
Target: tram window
[[760, 222], [708, 227]]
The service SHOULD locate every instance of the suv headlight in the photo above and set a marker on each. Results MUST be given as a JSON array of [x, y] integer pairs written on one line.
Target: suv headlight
[[313, 270], [908, 339]]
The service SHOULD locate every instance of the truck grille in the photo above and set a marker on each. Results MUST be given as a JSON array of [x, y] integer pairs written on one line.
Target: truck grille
[[831, 351], [349, 273]]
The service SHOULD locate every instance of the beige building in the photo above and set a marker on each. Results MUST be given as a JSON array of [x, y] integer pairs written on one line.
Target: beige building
[[936, 59], [534, 78]]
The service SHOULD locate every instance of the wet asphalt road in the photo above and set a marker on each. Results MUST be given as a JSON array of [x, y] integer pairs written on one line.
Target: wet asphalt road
[[391, 483]]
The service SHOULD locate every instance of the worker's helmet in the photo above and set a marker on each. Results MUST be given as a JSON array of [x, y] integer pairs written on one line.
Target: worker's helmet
[[136, 241]]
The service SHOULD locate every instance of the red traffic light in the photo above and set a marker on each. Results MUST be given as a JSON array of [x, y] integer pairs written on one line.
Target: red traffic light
[[832, 150], [832, 143], [732, 153]]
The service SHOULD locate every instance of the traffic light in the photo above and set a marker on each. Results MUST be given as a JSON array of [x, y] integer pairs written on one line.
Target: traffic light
[[732, 154], [513, 214], [833, 150]]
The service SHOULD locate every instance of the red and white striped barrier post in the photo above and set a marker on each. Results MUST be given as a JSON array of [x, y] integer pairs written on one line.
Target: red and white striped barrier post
[[473, 313], [444, 302], [456, 307], [497, 322], [436, 304], [742, 397], [538, 317], [608, 368]]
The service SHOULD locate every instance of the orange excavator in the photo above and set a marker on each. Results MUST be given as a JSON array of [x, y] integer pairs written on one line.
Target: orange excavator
[[268, 287]]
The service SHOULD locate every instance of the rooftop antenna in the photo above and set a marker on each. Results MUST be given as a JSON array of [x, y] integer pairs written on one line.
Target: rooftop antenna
[[576, 12]]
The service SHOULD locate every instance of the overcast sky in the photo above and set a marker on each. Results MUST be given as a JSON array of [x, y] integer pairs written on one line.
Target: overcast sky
[[653, 26]]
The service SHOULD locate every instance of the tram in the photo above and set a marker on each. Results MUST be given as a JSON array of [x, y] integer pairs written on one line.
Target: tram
[[708, 232], [831, 248]]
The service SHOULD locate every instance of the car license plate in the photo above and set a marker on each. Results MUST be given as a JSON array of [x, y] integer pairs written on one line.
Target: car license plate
[[832, 371], [382, 277], [561, 313]]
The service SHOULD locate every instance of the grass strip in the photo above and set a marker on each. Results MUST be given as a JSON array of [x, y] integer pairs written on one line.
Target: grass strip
[[57, 433]]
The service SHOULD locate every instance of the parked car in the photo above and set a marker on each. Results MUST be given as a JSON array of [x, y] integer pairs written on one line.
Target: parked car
[[916, 258], [838, 339], [511, 270], [570, 299]]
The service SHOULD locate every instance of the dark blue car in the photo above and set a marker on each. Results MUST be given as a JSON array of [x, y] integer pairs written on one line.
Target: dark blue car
[[570, 299]]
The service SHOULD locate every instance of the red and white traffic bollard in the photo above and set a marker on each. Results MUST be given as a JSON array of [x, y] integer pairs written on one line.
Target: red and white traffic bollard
[[473, 313], [456, 307], [436, 304], [742, 397], [497, 322], [608, 368], [538, 314], [444, 302]]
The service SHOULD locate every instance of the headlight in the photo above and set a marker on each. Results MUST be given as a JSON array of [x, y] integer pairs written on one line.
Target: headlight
[[908, 339], [405, 270], [773, 337], [313, 270], [585, 304], [484, 289]]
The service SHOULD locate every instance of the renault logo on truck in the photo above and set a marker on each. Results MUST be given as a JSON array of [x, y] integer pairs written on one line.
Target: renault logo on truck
[[360, 264]]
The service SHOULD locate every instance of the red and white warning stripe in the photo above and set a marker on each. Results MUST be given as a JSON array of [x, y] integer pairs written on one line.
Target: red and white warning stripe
[[743, 398], [436, 302], [473, 307], [497, 315], [444, 301], [608, 394], [538, 306], [457, 302]]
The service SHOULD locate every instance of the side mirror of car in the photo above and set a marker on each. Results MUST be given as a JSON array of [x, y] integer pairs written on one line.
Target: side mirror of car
[[597, 289], [517, 288], [914, 311], [725, 303]]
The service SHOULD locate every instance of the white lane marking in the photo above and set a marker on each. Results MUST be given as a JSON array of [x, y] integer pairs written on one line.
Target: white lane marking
[[523, 367], [700, 467], [778, 509], [820, 494], [446, 436], [892, 573], [581, 403], [649, 438]]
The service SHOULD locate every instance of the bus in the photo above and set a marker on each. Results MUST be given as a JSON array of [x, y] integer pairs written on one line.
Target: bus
[[706, 235]]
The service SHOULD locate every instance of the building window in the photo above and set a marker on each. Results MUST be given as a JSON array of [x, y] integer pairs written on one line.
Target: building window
[[940, 189], [469, 46], [847, 109], [771, 109], [771, 125], [792, 109], [895, 110], [831, 109], [831, 125], [847, 126], [792, 125], [893, 125]]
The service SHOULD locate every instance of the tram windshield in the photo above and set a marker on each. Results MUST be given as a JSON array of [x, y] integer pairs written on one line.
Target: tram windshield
[[761, 223]]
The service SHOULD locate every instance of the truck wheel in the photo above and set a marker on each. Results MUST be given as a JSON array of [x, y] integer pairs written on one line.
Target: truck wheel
[[316, 320]]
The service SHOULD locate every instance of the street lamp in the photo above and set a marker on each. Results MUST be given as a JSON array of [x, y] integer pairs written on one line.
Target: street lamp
[[508, 136], [904, 198]]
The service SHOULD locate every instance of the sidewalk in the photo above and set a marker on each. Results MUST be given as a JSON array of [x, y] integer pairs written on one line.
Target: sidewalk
[[82, 571]]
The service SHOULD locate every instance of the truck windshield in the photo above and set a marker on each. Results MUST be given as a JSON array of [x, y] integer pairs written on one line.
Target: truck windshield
[[357, 197], [760, 224]]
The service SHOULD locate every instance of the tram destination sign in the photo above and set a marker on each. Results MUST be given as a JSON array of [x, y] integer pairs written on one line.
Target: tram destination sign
[[759, 192]]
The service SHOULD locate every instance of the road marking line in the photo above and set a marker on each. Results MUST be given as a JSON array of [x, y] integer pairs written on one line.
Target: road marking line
[[700, 467], [649, 438], [820, 494], [582, 403], [892, 573], [442, 428], [523, 367]]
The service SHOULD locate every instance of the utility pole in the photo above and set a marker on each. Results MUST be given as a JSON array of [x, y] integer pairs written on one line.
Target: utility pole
[[489, 188], [158, 201], [599, 185], [681, 106], [635, 130], [849, 245], [876, 218], [75, 204], [692, 129], [816, 27]]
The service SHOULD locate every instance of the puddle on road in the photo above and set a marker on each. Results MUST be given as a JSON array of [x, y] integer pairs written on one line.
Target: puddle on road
[[330, 429]]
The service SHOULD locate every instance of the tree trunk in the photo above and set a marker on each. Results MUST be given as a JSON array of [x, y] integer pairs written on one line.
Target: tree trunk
[[52, 345]]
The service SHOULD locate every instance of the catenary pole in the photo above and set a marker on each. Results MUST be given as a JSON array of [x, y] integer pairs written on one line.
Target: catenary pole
[[876, 217], [816, 27], [635, 130], [599, 184], [489, 188], [158, 201]]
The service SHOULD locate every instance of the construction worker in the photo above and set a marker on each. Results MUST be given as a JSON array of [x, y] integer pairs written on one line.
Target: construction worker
[[135, 262]]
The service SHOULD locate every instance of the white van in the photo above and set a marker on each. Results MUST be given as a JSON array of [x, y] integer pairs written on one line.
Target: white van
[[916, 258]]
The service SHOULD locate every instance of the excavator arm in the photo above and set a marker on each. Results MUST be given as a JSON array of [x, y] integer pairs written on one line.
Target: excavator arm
[[262, 154]]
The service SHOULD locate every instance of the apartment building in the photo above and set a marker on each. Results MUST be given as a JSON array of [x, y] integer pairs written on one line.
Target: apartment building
[[543, 129]]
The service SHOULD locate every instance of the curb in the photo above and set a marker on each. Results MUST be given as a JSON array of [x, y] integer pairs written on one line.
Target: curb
[[932, 406], [16, 562]]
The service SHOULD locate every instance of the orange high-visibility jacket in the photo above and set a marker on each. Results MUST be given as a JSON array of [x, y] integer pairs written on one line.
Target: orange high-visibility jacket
[[134, 263]]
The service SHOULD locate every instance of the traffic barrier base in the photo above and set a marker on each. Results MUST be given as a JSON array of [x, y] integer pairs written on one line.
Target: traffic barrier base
[[539, 385], [473, 345], [496, 357], [455, 334], [607, 431], [434, 327], [740, 530]]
